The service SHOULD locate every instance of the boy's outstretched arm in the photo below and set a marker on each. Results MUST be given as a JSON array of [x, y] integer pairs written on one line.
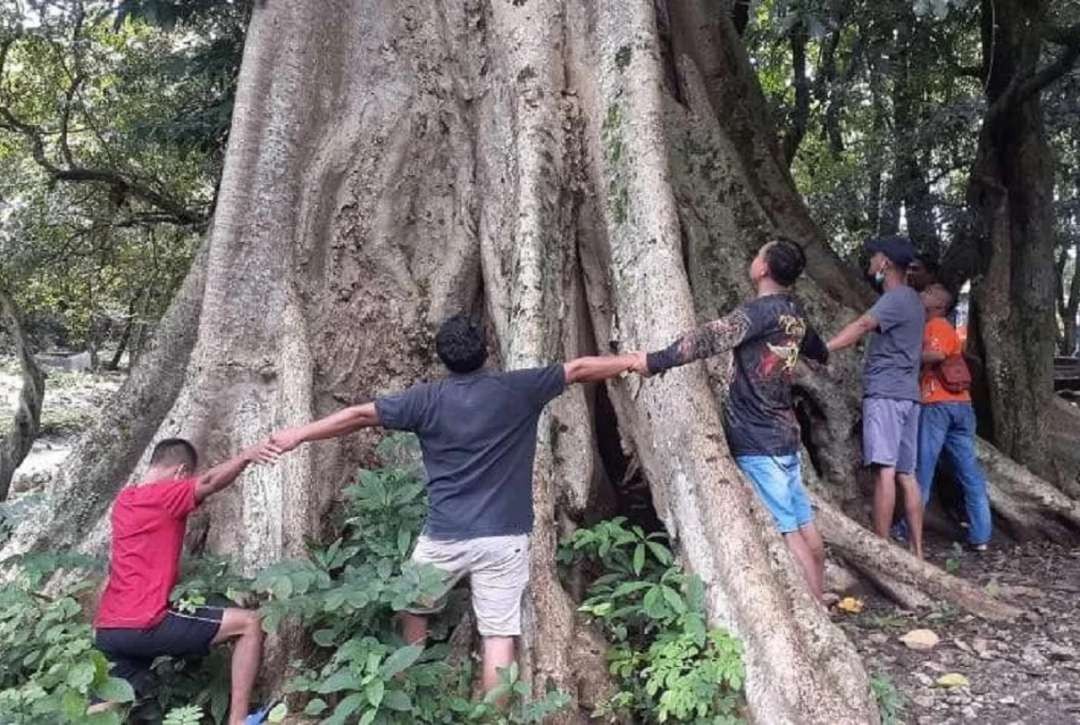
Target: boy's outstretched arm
[[223, 474], [336, 424]]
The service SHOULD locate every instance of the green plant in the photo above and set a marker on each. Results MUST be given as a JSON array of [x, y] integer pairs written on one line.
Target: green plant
[[891, 703], [344, 597], [347, 595], [185, 715], [49, 670], [670, 666], [952, 564]]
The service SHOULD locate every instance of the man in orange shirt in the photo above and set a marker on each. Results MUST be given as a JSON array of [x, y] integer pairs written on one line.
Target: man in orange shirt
[[947, 420]]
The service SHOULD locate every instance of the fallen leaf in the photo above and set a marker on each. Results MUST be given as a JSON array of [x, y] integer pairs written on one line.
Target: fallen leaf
[[920, 639], [851, 605], [953, 679]]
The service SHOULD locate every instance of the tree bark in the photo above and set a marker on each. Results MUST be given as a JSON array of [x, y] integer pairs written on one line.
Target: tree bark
[[1011, 193], [27, 420]]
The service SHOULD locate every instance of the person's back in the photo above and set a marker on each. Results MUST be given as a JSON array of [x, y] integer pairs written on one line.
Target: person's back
[[148, 525], [133, 624], [477, 432]]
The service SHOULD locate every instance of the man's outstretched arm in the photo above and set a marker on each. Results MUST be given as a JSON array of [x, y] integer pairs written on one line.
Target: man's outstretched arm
[[853, 333], [710, 339], [596, 368], [223, 474], [341, 423]]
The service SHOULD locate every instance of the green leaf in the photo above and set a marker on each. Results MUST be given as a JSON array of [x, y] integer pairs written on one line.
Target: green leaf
[[348, 706], [400, 660], [81, 675], [661, 552], [398, 700], [74, 705], [278, 713], [673, 599], [375, 691], [315, 707], [404, 539], [340, 680], [324, 637], [115, 689], [629, 588], [639, 558]]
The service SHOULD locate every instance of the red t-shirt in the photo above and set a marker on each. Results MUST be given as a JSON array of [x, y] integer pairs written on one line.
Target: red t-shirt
[[148, 526]]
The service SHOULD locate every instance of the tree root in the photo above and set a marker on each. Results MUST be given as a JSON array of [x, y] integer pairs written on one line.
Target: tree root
[[912, 583], [1030, 506]]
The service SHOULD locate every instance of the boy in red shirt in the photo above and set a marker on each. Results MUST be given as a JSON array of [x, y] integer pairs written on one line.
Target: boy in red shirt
[[133, 624]]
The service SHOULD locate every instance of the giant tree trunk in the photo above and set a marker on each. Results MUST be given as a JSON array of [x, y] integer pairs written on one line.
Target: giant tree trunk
[[554, 167], [16, 443]]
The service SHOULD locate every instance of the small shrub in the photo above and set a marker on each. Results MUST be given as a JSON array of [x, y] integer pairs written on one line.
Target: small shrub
[[670, 667], [49, 670]]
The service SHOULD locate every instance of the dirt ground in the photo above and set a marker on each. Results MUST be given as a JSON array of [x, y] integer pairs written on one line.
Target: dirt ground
[[1025, 671]]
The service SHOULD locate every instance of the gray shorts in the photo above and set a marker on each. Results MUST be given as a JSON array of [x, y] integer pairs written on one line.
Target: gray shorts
[[890, 433], [498, 571]]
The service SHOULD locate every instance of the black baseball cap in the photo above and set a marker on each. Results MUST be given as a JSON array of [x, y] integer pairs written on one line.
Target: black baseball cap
[[898, 249]]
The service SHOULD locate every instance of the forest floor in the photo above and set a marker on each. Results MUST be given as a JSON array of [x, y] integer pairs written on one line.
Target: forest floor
[[1026, 671]]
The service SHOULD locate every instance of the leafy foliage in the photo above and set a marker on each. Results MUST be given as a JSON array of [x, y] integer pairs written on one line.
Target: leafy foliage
[[112, 138], [670, 666], [49, 670]]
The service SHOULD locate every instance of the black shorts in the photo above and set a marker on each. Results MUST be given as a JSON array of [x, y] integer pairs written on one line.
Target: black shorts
[[180, 634]]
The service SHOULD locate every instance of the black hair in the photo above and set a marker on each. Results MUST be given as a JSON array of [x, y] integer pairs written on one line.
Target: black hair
[[461, 344], [786, 260], [175, 452], [930, 265]]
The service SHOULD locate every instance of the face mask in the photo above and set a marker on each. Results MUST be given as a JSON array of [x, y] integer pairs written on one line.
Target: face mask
[[879, 276]]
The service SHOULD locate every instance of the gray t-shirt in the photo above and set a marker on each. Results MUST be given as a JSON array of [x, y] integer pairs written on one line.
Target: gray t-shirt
[[478, 436], [892, 362]]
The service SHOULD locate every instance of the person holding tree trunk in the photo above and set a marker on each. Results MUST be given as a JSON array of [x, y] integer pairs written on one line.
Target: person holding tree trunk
[[891, 384], [477, 430], [134, 624], [768, 335]]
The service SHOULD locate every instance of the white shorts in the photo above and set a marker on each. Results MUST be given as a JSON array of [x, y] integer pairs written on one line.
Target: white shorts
[[498, 571]]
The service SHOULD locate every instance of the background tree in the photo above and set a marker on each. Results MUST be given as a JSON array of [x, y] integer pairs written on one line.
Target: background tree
[[112, 130]]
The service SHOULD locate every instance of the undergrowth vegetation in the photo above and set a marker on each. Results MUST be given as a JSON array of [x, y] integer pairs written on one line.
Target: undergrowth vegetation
[[337, 608]]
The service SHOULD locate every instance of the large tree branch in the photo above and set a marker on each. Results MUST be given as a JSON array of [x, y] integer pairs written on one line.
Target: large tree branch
[[1023, 88], [121, 183], [801, 114]]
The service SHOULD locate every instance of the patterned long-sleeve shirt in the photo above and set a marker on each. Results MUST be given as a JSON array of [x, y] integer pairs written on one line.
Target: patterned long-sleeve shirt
[[767, 335]]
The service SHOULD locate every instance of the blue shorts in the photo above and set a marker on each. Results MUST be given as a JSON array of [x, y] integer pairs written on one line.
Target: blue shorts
[[778, 483]]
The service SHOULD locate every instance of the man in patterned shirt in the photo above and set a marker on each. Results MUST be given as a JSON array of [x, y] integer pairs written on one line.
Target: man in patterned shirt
[[767, 335]]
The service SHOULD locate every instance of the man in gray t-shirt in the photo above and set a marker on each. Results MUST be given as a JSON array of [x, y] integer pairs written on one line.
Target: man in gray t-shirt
[[891, 384], [477, 431]]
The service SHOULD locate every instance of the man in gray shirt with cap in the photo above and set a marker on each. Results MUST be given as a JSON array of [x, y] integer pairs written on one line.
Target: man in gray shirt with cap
[[891, 384]]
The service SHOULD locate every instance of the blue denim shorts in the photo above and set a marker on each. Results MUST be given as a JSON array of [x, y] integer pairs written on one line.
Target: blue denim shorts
[[778, 482]]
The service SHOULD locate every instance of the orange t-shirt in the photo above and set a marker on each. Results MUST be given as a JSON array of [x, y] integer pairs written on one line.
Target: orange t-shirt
[[939, 336]]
